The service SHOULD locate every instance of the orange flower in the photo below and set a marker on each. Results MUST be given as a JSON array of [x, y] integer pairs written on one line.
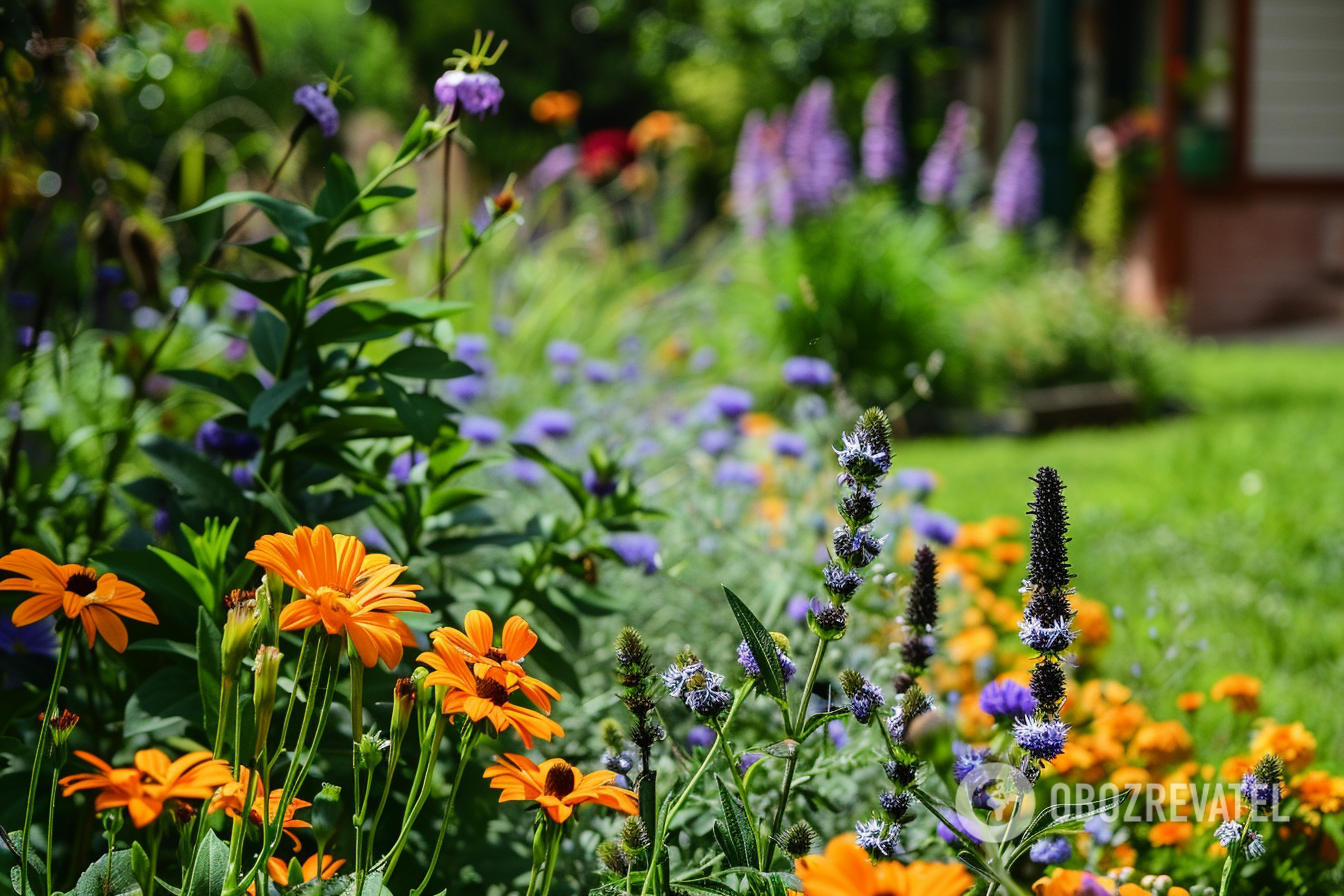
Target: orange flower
[[1243, 690], [152, 782], [557, 786], [557, 107], [485, 698], [845, 870], [477, 646], [1294, 744], [1120, 723], [970, 644], [96, 601], [658, 128], [1171, 833], [1130, 777], [1319, 791], [345, 588], [234, 795], [278, 869], [1163, 743], [1190, 701], [1093, 621], [1064, 882], [1235, 768]]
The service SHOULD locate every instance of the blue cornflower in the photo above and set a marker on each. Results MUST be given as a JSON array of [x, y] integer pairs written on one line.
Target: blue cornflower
[[599, 372], [563, 354], [553, 423], [919, 482], [1259, 793], [857, 547], [878, 838], [1007, 699], [932, 525], [840, 581], [465, 389], [788, 444], [749, 665], [967, 760], [637, 549], [704, 696], [1043, 739], [481, 430], [1045, 637], [1051, 851], [677, 674], [472, 349], [314, 101], [715, 441], [810, 373], [729, 401]]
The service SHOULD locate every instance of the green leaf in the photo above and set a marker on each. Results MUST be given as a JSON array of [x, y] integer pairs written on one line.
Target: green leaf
[[95, 880], [273, 292], [1066, 819], [566, 477], [362, 321], [818, 719], [412, 143], [211, 868], [362, 247], [274, 398], [290, 218], [36, 870], [345, 428], [462, 544], [340, 188], [197, 580], [276, 248], [424, 362], [160, 707], [733, 832], [268, 337], [447, 499], [163, 645], [380, 198], [762, 646], [209, 671], [422, 415], [352, 280], [210, 382]]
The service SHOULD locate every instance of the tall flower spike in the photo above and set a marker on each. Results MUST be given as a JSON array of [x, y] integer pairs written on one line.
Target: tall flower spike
[[883, 154]]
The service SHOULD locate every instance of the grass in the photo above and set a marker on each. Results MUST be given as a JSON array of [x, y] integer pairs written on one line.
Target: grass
[[1218, 535]]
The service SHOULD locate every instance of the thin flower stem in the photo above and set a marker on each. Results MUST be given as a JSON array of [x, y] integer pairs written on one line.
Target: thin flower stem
[[464, 755], [43, 727], [51, 822], [155, 835], [791, 763], [357, 733], [444, 212], [415, 801], [293, 691], [552, 856], [393, 757]]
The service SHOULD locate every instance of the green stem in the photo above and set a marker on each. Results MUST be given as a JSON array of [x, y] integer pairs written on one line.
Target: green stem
[[357, 733], [791, 764], [51, 822], [155, 835], [552, 855], [464, 755], [289, 708], [415, 800], [43, 727], [739, 782]]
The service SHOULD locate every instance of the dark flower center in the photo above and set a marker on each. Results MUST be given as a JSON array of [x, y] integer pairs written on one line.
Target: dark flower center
[[82, 583], [559, 780], [496, 654], [489, 689]]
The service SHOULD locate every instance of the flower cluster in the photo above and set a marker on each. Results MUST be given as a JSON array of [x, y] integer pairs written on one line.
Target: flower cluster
[[634, 673], [696, 686]]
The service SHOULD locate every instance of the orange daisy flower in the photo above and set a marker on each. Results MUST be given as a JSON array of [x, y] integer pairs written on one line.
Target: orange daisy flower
[[477, 646], [557, 786], [153, 781], [845, 870], [246, 791], [347, 589], [278, 869], [485, 698], [96, 601]]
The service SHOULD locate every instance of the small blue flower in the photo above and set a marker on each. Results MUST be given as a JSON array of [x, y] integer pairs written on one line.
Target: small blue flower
[[896, 726], [715, 441], [1255, 846], [807, 373], [526, 472], [1051, 851], [861, 460], [857, 547], [621, 763], [481, 430], [840, 581], [918, 482], [553, 423], [747, 661], [701, 736], [563, 354], [878, 838], [637, 549], [709, 699], [1228, 832], [1043, 739], [1046, 637], [473, 349], [738, 473], [788, 444], [599, 372], [597, 485], [1100, 829], [219, 443], [729, 401], [401, 467], [37, 639], [465, 389], [949, 837], [797, 608], [866, 701], [1259, 793], [967, 760], [1007, 699], [476, 92], [932, 525], [747, 760], [835, 730], [314, 101]]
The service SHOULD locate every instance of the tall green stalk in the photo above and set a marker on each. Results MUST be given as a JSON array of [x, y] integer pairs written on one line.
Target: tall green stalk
[[67, 637]]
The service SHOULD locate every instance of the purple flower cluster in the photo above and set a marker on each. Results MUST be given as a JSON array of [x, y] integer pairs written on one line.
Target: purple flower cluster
[[1007, 699], [762, 191], [1042, 738], [481, 430], [878, 838], [931, 525], [219, 443], [1051, 851], [742, 473], [883, 156], [314, 101], [1017, 182], [815, 149], [804, 372], [476, 92], [728, 401], [747, 661], [700, 689], [636, 549], [942, 169]]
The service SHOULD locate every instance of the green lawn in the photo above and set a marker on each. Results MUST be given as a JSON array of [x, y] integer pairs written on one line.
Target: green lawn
[[1220, 534]]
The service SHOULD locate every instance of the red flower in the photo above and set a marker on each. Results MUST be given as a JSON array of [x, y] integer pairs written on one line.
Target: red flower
[[603, 154]]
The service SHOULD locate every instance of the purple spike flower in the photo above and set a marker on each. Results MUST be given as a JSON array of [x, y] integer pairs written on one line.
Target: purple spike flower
[[881, 149], [1007, 699], [942, 169], [815, 149], [476, 92], [1017, 183], [314, 101]]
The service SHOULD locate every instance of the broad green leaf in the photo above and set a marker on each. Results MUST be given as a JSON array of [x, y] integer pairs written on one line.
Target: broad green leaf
[[212, 865], [413, 142], [447, 499], [290, 218], [462, 544], [443, 463], [161, 707], [360, 248], [276, 248], [273, 399], [36, 870], [380, 198], [424, 362], [275, 292], [733, 832], [210, 382], [422, 415], [163, 645], [209, 671], [268, 337], [348, 281], [199, 582], [566, 477], [193, 475], [345, 428], [760, 643], [340, 188], [362, 321], [818, 719], [95, 880]]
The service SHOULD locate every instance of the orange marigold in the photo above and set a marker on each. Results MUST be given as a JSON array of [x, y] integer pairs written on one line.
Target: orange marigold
[[845, 870], [1293, 743], [1066, 882], [1235, 768], [1190, 701], [557, 786], [96, 601], [484, 697], [557, 107], [1093, 622], [1241, 689], [1319, 791], [246, 792], [1163, 743], [278, 869], [1171, 833]]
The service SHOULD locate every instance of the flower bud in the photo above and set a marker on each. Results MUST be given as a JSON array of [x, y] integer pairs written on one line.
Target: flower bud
[[326, 814], [62, 726], [112, 821], [265, 674], [266, 613], [403, 705], [238, 628], [371, 747]]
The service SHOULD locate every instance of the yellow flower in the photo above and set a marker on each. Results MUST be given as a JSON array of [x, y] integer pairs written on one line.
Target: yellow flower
[[1171, 833], [1243, 690], [971, 644], [1162, 743], [1294, 744], [1320, 791]]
